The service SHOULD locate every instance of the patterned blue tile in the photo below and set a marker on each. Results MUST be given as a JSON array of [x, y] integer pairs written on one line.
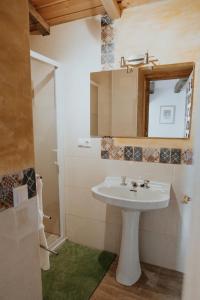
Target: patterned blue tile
[[106, 20], [145, 154], [107, 48], [165, 155], [107, 59], [128, 153], [138, 156], [107, 43], [30, 180], [176, 156], [104, 154]]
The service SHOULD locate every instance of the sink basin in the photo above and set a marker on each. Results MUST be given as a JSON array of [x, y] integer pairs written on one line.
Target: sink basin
[[132, 201], [112, 192]]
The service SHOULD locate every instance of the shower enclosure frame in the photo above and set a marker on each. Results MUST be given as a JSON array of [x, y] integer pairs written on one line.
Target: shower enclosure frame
[[60, 140]]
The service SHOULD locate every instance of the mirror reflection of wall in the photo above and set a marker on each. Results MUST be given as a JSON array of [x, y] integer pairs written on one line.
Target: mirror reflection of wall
[[113, 103], [94, 108], [167, 108], [154, 103]]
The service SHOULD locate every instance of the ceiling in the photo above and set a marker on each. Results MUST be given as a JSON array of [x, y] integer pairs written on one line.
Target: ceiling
[[55, 12], [60, 11]]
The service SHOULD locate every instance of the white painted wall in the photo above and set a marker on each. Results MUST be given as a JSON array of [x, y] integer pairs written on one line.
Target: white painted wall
[[164, 236], [191, 284], [164, 96]]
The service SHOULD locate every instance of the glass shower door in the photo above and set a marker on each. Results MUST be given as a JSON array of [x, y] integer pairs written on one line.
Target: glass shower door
[[45, 142]]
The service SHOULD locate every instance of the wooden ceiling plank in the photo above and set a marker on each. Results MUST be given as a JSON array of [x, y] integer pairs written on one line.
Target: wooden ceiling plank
[[40, 23], [131, 3], [45, 3], [75, 16], [112, 8], [67, 7]]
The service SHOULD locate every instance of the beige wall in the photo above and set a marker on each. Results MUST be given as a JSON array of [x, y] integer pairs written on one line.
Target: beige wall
[[170, 30], [93, 110], [124, 103], [20, 276], [16, 142], [104, 82], [117, 110]]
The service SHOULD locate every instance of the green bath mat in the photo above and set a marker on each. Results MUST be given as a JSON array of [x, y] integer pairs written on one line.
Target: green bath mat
[[75, 272]]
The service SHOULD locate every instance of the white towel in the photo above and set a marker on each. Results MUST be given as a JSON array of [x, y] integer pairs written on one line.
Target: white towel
[[44, 255]]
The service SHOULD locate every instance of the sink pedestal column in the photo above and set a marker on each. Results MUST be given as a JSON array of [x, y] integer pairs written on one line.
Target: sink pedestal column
[[128, 270]]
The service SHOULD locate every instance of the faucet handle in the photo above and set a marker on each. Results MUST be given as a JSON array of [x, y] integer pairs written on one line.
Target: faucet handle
[[146, 183], [134, 184], [123, 182]]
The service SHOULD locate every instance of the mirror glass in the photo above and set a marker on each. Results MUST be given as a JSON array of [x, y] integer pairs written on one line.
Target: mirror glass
[[143, 103]]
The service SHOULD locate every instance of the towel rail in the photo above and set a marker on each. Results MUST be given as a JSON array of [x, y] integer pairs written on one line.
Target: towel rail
[[47, 249], [47, 217]]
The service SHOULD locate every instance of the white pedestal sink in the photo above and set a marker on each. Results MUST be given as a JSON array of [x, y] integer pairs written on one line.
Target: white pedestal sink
[[132, 200]]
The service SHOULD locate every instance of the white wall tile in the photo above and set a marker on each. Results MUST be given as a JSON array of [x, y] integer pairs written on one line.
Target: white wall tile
[[152, 171], [158, 249], [94, 233], [166, 221], [84, 172], [82, 204]]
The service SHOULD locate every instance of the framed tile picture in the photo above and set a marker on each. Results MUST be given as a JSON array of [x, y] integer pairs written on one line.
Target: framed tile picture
[[167, 114]]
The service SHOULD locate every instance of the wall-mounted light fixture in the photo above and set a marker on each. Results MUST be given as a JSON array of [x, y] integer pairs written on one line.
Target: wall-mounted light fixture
[[138, 61]]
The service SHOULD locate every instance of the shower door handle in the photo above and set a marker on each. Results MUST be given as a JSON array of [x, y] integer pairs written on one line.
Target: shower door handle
[[55, 150], [57, 165]]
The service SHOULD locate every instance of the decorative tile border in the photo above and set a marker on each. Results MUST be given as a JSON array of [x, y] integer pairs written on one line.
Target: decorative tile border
[[10, 181], [145, 154], [107, 43]]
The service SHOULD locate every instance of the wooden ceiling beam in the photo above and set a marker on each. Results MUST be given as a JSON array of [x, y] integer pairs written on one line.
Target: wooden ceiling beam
[[112, 8], [77, 15], [131, 3], [41, 4], [66, 8], [39, 23], [180, 85]]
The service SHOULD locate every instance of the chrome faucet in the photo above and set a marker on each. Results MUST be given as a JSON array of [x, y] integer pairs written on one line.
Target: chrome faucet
[[146, 184], [123, 182], [134, 184]]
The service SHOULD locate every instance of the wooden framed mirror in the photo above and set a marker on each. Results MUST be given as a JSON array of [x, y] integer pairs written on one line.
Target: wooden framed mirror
[[149, 102]]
